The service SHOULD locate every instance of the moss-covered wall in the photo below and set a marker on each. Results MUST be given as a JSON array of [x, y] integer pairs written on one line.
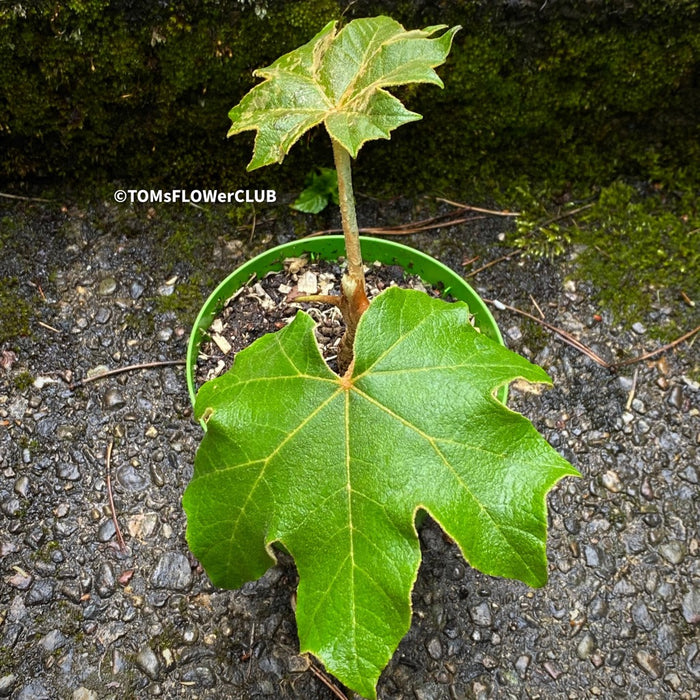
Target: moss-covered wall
[[575, 91], [135, 90], [564, 91]]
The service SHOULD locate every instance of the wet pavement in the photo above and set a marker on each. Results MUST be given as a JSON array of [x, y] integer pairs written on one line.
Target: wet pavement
[[82, 618]]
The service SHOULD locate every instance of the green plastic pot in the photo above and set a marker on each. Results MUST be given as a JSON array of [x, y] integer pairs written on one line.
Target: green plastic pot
[[431, 271]]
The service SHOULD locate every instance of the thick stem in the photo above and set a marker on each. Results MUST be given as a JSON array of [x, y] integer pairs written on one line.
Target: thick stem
[[353, 302], [347, 213]]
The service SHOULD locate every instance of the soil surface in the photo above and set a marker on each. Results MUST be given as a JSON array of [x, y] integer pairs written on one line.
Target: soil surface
[[83, 618], [269, 304]]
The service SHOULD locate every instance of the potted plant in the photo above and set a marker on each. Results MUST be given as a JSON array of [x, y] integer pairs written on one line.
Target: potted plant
[[336, 467], [431, 271]]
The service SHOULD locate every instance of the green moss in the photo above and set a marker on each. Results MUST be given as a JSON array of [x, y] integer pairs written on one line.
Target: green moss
[[16, 313], [141, 93], [642, 252], [538, 337], [45, 551], [186, 300], [169, 638], [7, 223], [538, 232], [551, 100], [185, 243], [142, 323], [639, 250], [187, 251], [8, 660], [135, 92], [23, 381]]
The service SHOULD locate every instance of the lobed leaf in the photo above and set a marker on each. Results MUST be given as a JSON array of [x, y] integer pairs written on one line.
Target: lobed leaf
[[338, 78], [335, 469]]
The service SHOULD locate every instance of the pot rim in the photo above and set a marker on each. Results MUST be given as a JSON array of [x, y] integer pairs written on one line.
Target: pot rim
[[330, 247]]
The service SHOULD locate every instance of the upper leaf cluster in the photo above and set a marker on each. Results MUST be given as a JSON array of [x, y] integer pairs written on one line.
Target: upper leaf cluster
[[339, 79]]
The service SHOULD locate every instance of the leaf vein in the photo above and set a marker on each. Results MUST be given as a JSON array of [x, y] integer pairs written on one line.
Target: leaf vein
[[433, 443], [392, 347], [265, 465]]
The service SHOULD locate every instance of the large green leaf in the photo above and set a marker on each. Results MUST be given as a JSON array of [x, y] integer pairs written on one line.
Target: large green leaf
[[335, 470], [338, 78]]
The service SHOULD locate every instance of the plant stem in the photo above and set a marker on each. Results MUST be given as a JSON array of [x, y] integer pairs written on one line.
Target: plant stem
[[347, 212], [353, 299]]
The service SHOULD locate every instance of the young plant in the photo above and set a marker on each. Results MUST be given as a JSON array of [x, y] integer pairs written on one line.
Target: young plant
[[334, 468], [321, 189]]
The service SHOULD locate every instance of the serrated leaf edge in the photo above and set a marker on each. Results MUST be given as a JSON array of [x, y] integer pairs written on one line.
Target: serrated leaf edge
[[347, 387], [323, 40]]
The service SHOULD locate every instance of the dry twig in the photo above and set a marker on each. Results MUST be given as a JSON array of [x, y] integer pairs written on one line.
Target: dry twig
[[566, 214], [433, 222], [404, 229], [252, 228], [575, 343], [327, 682], [687, 299], [537, 306], [494, 262], [108, 464], [564, 335], [468, 207], [630, 397], [24, 199], [659, 351], [250, 654], [119, 370], [439, 221], [50, 328]]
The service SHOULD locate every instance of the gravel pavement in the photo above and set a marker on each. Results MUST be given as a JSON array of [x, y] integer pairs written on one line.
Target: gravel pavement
[[82, 619]]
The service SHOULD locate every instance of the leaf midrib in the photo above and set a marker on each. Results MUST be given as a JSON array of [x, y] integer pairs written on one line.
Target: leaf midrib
[[347, 98], [432, 441], [261, 476]]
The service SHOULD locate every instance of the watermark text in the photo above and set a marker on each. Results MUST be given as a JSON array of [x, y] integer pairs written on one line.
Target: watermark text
[[195, 196]]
